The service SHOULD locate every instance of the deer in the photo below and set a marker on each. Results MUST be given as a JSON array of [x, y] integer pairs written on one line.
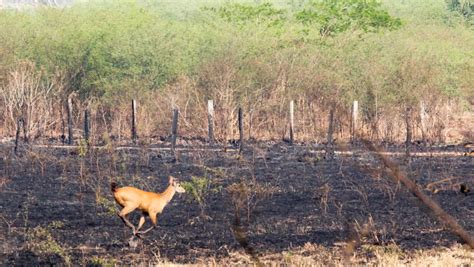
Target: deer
[[150, 203], [469, 149]]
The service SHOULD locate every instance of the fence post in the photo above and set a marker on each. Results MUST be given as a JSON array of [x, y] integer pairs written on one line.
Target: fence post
[[86, 126], [355, 111], [134, 121], [241, 130], [26, 132], [70, 140], [17, 136], [292, 121], [63, 129], [330, 147], [210, 120], [174, 131], [423, 117], [409, 131]]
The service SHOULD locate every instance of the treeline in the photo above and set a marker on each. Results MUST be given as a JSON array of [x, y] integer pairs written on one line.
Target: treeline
[[394, 58]]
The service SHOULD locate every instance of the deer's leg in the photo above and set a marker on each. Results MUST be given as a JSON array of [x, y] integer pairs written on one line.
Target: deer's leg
[[153, 220], [146, 231], [123, 215], [141, 222]]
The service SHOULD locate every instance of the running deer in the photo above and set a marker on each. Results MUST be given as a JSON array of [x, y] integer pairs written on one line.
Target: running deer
[[151, 204]]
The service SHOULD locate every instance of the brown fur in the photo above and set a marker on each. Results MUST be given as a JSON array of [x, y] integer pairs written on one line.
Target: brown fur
[[150, 203]]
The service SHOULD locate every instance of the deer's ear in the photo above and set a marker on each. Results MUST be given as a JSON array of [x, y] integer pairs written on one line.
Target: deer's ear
[[170, 179]]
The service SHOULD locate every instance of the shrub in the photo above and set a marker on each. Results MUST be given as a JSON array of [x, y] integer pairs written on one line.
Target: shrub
[[199, 189]]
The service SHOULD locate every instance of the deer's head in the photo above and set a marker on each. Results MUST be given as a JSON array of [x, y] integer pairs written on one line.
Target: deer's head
[[176, 185]]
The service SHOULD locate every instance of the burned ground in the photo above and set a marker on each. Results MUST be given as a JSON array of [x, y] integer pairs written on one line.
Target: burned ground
[[56, 205]]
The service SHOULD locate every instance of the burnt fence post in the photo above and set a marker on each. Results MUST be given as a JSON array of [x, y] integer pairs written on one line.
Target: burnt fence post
[[174, 131], [70, 140], [241, 130], [292, 121], [134, 121], [86, 126], [17, 135], [330, 140]]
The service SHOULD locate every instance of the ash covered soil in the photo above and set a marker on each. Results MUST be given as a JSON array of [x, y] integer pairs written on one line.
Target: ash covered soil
[[56, 206]]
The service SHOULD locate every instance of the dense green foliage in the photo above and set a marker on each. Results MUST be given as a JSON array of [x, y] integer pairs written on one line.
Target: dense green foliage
[[388, 52], [339, 16], [464, 7], [108, 46], [241, 13]]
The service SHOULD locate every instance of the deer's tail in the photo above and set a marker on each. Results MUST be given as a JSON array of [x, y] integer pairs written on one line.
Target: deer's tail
[[113, 186]]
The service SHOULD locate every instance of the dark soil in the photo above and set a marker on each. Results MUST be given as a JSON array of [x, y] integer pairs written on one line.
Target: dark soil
[[296, 196]]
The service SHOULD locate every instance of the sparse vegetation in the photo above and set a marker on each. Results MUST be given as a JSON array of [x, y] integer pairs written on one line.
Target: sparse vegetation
[[40, 241], [246, 195], [101, 261], [199, 189], [281, 200], [108, 206]]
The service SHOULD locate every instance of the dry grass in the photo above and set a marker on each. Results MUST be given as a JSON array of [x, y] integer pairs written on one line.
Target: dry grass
[[367, 255]]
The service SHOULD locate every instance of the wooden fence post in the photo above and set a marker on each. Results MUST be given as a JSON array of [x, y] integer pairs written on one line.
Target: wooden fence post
[[63, 129], [423, 118], [210, 120], [355, 127], [17, 136], [409, 131], [241, 130], [26, 132], [330, 147], [134, 121], [86, 126], [292, 121], [70, 140], [174, 131]]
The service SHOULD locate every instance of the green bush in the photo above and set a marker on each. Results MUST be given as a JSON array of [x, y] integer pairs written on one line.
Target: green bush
[[198, 189], [41, 241], [258, 56]]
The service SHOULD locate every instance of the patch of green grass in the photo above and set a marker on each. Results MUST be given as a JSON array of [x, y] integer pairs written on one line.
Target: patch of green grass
[[107, 206], [40, 241], [101, 261]]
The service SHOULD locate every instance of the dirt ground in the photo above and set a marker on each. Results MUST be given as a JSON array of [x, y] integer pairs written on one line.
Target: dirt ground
[[56, 206]]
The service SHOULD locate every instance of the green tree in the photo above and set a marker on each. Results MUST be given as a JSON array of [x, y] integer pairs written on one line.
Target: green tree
[[332, 17], [464, 7], [242, 14]]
